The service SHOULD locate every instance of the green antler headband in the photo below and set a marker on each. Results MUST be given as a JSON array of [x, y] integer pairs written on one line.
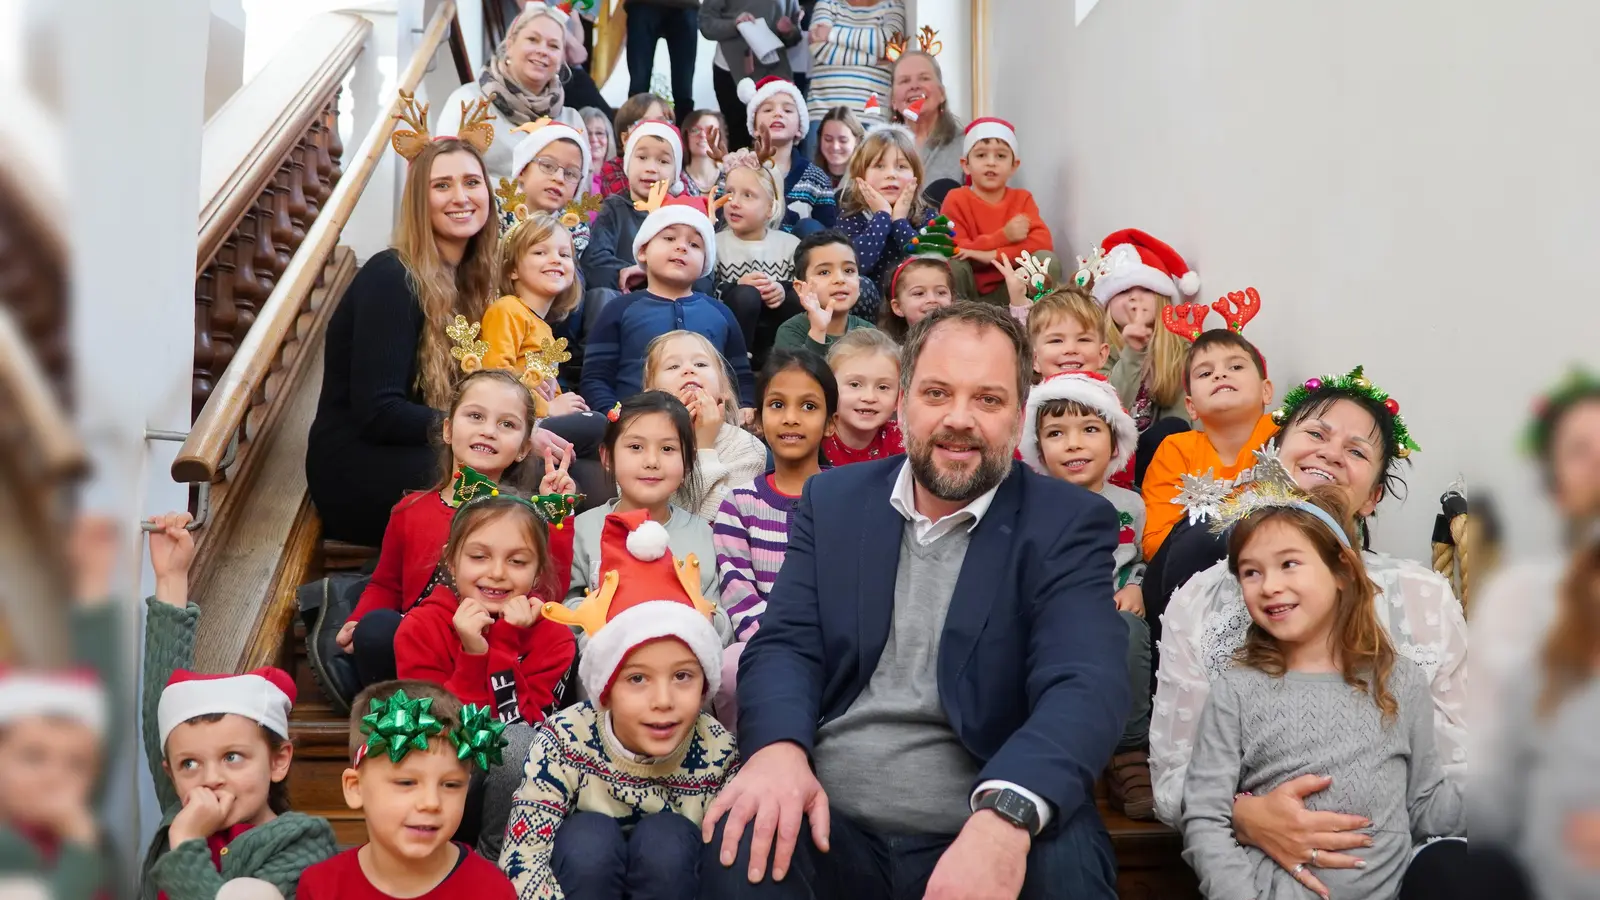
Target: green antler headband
[[1352, 383], [470, 485]]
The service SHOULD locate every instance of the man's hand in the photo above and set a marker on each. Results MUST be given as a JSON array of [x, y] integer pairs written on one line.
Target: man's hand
[[471, 621], [1017, 229], [987, 861], [743, 18], [205, 812], [1131, 599], [1280, 826], [774, 790]]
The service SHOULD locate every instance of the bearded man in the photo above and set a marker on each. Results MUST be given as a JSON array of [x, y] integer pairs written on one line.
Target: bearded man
[[940, 672]]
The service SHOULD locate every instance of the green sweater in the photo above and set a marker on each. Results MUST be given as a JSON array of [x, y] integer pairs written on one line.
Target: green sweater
[[795, 334], [277, 851]]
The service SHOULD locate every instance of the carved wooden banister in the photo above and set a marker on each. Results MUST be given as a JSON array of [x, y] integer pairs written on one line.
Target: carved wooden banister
[[312, 226], [53, 448]]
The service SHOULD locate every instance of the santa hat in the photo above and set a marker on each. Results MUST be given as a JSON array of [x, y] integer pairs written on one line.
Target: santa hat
[[68, 694], [755, 93], [1135, 259], [663, 130], [689, 211], [264, 696], [1092, 390], [644, 596], [986, 128], [539, 138], [913, 111]]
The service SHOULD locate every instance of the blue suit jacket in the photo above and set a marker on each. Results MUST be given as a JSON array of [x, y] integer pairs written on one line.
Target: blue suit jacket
[[1032, 663]]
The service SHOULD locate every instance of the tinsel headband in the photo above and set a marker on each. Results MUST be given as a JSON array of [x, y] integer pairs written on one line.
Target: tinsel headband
[[1272, 489], [471, 485], [1353, 384]]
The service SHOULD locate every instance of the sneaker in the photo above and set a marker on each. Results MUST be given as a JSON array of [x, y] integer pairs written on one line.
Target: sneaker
[[1129, 787]]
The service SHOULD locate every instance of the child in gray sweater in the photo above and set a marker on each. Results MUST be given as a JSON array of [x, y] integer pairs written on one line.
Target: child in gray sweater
[[1316, 689]]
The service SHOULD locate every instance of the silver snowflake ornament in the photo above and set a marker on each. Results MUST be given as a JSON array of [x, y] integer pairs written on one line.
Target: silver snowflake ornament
[[1202, 495]]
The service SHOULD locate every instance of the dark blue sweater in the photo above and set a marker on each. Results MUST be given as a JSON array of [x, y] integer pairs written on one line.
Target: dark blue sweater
[[613, 363]]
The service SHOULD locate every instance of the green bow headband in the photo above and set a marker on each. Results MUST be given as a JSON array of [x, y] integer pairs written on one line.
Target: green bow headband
[[399, 724], [470, 485], [1352, 383]]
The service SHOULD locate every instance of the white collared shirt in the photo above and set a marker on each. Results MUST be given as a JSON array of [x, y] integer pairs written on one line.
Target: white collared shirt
[[926, 531]]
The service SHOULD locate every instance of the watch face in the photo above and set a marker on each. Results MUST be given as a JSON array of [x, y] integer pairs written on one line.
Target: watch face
[[1014, 807]]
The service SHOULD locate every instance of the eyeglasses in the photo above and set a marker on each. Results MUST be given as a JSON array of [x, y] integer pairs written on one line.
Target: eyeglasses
[[549, 167]]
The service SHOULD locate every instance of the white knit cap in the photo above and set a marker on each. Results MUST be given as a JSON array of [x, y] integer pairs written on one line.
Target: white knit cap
[[663, 130], [1092, 390], [264, 696], [986, 128], [68, 695], [527, 149], [756, 93], [680, 213]]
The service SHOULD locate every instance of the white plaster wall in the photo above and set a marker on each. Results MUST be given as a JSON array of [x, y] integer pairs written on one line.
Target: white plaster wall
[[1410, 185], [224, 53], [953, 20]]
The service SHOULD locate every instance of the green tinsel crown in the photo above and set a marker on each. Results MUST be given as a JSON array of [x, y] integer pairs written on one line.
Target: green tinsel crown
[[1579, 384], [1356, 384], [472, 485]]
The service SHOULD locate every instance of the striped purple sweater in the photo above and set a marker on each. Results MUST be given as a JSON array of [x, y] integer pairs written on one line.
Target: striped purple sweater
[[751, 536]]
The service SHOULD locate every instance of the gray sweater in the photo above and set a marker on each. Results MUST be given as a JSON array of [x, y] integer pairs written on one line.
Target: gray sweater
[[719, 22], [1258, 732]]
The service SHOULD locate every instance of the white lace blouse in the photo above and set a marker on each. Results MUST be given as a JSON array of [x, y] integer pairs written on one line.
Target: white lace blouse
[[1205, 623]]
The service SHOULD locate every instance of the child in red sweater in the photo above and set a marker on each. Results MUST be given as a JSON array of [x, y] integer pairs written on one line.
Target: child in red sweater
[[489, 429], [866, 363], [991, 218], [412, 748], [481, 635]]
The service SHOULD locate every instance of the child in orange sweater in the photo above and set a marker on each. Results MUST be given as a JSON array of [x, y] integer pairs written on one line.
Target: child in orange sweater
[[992, 218]]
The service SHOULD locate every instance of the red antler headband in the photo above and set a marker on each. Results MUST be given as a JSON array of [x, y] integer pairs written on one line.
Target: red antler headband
[[1246, 304], [1186, 320]]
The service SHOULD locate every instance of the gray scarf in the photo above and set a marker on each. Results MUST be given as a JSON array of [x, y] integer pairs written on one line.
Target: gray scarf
[[517, 104]]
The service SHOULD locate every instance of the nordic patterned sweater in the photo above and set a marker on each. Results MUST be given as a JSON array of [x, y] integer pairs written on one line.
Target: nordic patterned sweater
[[752, 538], [277, 851], [1130, 524], [808, 192], [576, 765], [772, 256]]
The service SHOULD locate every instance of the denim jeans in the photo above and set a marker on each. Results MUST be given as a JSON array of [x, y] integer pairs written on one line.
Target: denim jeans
[[659, 860]]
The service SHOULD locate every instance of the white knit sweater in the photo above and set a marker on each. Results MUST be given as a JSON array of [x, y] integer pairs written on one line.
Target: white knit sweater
[[737, 458]]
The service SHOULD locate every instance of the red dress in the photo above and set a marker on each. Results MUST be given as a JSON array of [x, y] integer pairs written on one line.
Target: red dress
[[341, 878], [887, 442]]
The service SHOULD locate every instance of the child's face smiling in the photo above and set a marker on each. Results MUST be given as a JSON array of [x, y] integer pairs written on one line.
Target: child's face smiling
[[749, 203], [412, 807], [675, 257], [1224, 383], [832, 275], [552, 191], [890, 173], [229, 755], [920, 291], [869, 389], [547, 267], [838, 142], [794, 416], [1290, 591], [497, 561], [490, 429], [1065, 345], [779, 118], [991, 164], [1076, 448], [655, 699], [648, 462], [683, 366], [650, 162], [47, 766]]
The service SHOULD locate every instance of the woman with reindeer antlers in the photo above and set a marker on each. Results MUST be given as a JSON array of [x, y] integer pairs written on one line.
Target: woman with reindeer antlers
[[918, 99]]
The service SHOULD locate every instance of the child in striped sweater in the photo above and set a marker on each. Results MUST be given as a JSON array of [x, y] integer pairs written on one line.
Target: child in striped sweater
[[798, 398]]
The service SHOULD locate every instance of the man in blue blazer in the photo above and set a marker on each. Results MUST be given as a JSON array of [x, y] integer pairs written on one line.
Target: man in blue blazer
[[940, 673]]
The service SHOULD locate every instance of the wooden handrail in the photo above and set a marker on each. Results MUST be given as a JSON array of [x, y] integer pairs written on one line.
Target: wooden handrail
[[201, 455], [246, 140], [53, 442]]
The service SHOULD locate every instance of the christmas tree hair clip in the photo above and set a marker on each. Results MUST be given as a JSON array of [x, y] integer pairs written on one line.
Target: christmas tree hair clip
[[397, 726], [1355, 384], [544, 364], [937, 238], [479, 738], [1579, 384], [468, 350]]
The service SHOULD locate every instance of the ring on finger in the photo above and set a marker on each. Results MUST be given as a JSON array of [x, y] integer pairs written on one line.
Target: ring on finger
[[1313, 856], [1298, 870]]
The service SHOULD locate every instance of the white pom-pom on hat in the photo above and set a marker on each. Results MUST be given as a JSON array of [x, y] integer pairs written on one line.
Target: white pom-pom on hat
[[649, 541], [1189, 283], [746, 90]]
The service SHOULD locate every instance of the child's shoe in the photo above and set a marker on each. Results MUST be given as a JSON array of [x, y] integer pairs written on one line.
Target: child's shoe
[[1129, 787]]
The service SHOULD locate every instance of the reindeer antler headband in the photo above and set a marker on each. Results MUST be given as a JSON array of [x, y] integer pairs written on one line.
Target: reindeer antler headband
[[475, 130], [1186, 320], [927, 41]]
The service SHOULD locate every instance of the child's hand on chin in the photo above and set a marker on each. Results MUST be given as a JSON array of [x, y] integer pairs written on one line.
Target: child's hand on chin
[[520, 611], [205, 812]]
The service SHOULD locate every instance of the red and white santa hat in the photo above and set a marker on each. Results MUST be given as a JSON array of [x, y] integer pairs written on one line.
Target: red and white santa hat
[[1135, 259], [71, 694], [755, 93], [986, 128], [536, 139], [1092, 390], [644, 596], [689, 211], [666, 131], [264, 696]]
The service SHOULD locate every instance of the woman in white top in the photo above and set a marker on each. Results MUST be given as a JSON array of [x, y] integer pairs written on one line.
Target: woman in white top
[[1342, 434], [523, 83]]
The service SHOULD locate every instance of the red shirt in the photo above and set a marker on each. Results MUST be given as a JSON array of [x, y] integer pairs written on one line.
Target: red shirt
[[887, 442], [981, 225], [519, 674], [418, 528], [341, 878]]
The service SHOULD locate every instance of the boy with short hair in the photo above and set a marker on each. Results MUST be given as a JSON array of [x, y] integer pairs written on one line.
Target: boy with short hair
[[652, 154], [677, 248], [828, 280], [1075, 429], [1067, 330], [991, 218], [614, 790], [1225, 379], [412, 746]]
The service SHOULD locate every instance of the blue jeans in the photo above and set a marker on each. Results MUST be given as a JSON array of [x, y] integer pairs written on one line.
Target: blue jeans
[[660, 860], [1070, 859]]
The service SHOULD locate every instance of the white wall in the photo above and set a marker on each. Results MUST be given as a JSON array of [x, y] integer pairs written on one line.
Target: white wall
[[1410, 185], [952, 19]]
